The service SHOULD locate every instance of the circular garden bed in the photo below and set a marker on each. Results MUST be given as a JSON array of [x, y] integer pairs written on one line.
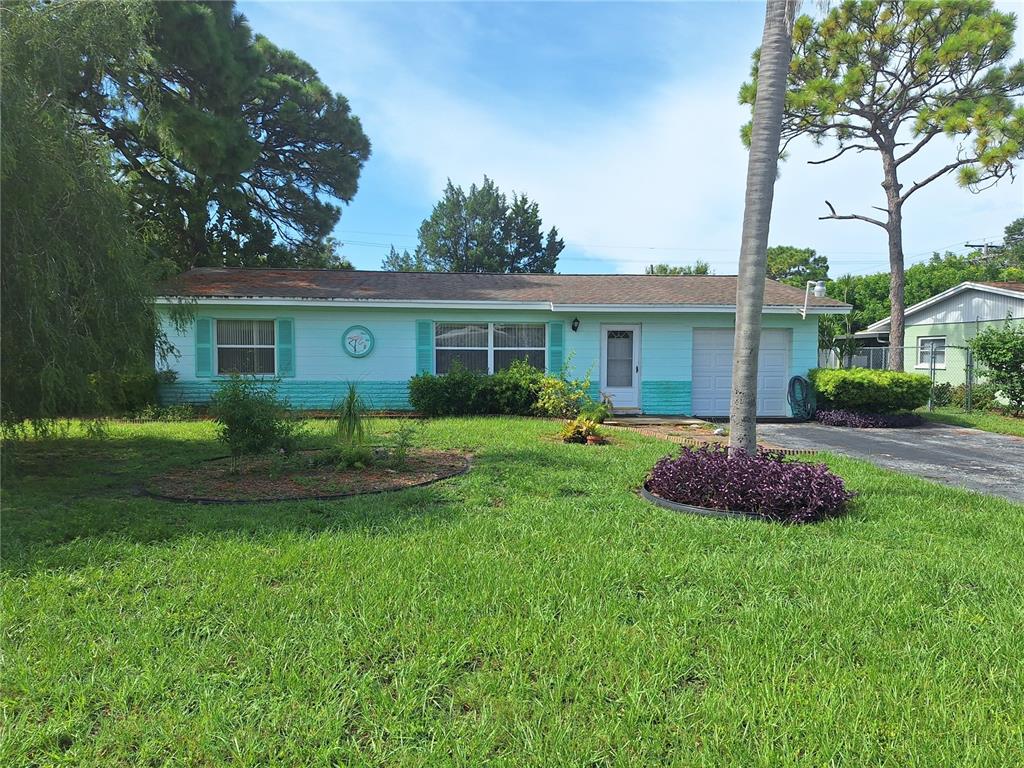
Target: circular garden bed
[[300, 476]]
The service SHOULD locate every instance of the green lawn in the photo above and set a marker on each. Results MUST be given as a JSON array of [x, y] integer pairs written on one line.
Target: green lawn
[[989, 422], [534, 612]]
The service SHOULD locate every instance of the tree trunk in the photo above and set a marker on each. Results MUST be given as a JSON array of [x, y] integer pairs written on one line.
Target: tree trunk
[[762, 169], [894, 230], [896, 283]]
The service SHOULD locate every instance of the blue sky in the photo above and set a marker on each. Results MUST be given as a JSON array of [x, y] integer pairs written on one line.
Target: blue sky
[[620, 119]]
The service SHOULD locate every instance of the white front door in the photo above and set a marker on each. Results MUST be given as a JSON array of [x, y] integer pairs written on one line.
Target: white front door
[[620, 365]]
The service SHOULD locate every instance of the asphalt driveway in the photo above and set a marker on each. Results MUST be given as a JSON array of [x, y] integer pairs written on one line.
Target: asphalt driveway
[[968, 458]]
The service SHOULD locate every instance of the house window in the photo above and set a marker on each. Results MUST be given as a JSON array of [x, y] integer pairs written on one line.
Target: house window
[[519, 341], [488, 347], [245, 346], [925, 344], [465, 342]]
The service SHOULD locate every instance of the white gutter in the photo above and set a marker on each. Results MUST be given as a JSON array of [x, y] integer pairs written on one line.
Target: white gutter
[[544, 306]]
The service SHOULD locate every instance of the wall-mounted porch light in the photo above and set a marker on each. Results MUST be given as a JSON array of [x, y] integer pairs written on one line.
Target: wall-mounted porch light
[[575, 325]]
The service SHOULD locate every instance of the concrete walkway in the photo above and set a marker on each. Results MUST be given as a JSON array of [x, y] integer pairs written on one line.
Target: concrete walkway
[[968, 458]]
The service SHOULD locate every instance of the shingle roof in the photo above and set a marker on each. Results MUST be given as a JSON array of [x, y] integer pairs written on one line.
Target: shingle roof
[[704, 290], [1006, 286]]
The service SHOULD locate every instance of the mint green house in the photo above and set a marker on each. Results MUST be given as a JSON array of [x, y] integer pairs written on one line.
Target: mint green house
[[650, 344], [946, 322]]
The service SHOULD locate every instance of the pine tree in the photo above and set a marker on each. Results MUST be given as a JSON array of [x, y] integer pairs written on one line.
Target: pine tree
[[888, 78]]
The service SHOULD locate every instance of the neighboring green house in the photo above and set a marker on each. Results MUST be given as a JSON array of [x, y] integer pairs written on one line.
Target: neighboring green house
[[944, 323]]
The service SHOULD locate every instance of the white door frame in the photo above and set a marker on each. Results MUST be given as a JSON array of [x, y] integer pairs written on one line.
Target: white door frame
[[621, 397]]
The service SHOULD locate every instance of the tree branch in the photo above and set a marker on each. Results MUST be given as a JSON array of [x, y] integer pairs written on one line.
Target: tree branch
[[917, 148], [847, 148], [848, 216], [933, 176]]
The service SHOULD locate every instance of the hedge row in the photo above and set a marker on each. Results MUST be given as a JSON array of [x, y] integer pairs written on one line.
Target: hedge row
[[871, 391]]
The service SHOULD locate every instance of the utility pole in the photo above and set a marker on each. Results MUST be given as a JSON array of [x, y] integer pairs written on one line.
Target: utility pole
[[985, 248]]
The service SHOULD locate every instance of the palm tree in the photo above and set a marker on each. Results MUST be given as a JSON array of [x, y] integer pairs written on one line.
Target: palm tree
[[762, 168]]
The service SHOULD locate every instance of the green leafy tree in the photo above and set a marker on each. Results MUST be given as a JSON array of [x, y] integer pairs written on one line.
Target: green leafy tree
[[480, 231], [1001, 353], [231, 147], [699, 267], [889, 77], [404, 261], [1013, 240], [795, 266], [75, 287]]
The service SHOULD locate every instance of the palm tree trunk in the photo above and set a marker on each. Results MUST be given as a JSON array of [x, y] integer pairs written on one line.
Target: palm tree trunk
[[762, 168]]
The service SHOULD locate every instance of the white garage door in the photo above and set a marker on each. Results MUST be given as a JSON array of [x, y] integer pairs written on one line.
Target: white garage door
[[712, 372]]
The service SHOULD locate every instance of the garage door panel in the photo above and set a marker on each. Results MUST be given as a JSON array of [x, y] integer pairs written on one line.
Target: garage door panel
[[712, 371]]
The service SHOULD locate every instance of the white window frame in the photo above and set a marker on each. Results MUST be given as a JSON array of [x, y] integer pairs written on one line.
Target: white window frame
[[490, 348], [925, 350], [217, 346]]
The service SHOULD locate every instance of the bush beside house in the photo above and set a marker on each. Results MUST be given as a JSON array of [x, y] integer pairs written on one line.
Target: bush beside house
[[251, 418], [864, 398], [519, 390]]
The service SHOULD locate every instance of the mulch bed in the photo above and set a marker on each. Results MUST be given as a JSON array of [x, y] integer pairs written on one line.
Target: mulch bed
[[264, 479]]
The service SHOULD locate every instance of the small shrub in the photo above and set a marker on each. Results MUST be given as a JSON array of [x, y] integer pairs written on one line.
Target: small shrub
[[178, 412], [1000, 351], [942, 394], [861, 420], [578, 430], [428, 395], [984, 397], [871, 391], [514, 389], [562, 397], [399, 443], [460, 392], [763, 484], [251, 417], [596, 411], [357, 456]]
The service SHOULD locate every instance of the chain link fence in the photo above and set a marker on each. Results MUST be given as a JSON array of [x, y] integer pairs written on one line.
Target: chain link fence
[[951, 369]]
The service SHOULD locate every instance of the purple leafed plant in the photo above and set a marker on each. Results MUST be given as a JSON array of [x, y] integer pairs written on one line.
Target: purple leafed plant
[[763, 484], [860, 420]]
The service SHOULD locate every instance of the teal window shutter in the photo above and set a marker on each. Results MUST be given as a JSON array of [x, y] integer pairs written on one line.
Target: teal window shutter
[[285, 346], [204, 347], [424, 346], [556, 347]]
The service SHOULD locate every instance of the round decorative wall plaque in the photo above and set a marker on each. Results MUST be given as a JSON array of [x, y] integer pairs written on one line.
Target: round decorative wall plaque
[[357, 341]]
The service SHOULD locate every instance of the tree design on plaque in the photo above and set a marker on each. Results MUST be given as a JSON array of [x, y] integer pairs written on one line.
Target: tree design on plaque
[[357, 341]]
